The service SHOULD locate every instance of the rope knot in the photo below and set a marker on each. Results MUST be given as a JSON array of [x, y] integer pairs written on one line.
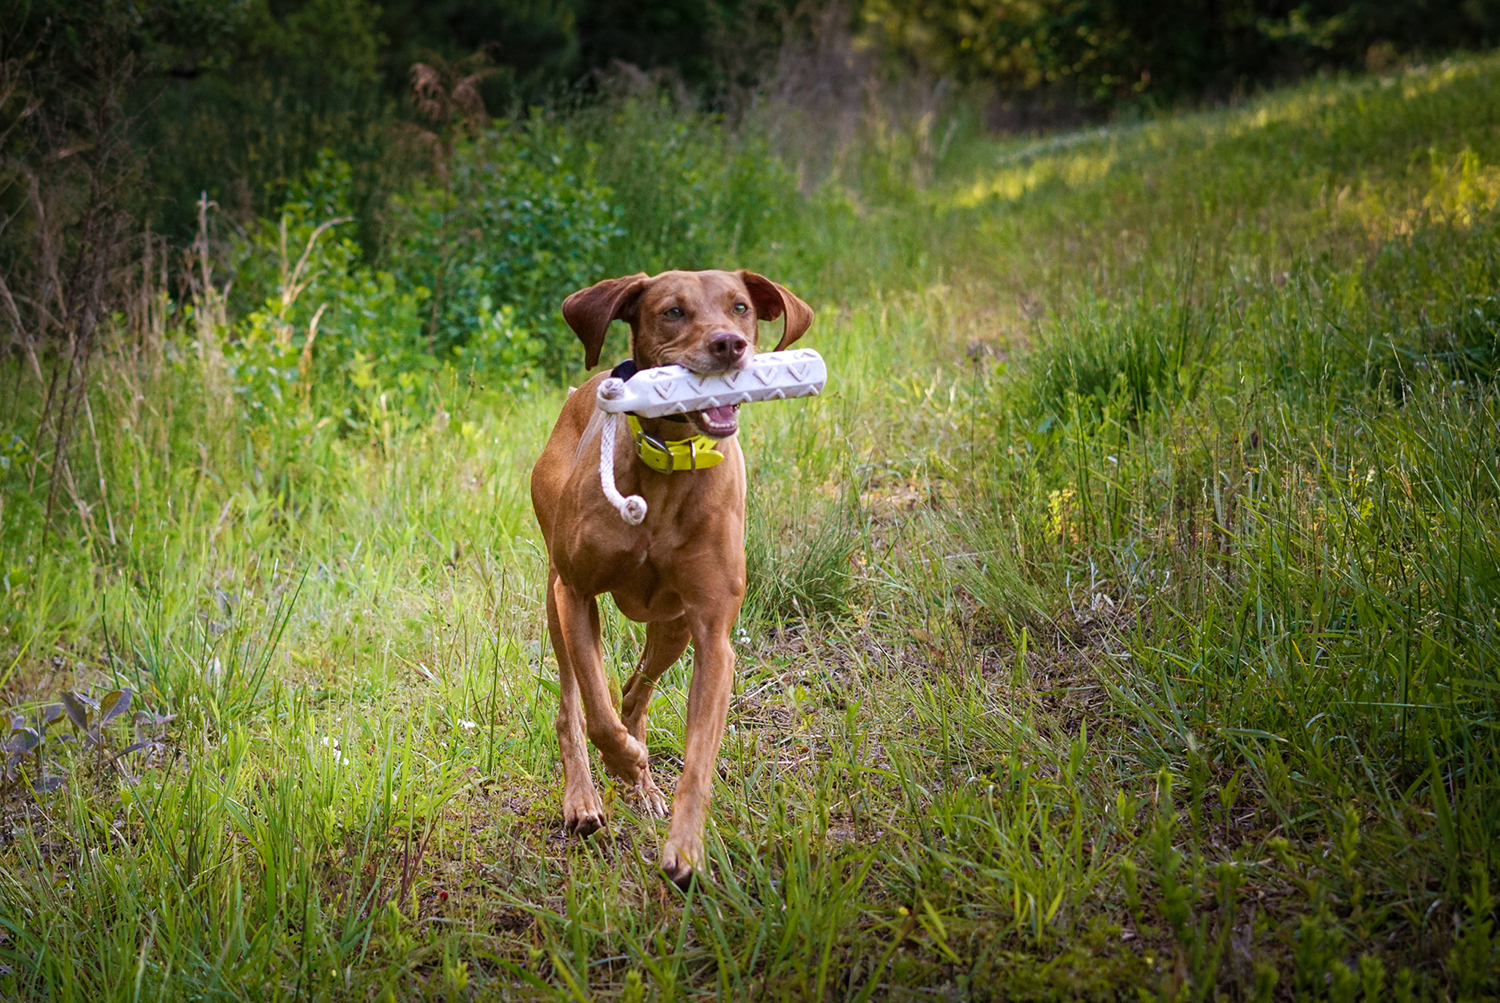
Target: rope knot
[[633, 508]]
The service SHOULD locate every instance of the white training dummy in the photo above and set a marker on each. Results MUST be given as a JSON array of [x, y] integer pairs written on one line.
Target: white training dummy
[[651, 393]]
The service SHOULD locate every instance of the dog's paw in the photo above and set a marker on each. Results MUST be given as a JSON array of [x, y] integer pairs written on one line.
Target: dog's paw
[[629, 762], [678, 861], [583, 812], [652, 799]]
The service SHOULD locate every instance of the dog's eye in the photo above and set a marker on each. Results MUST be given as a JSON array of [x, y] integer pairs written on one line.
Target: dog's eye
[[740, 308], [673, 313]]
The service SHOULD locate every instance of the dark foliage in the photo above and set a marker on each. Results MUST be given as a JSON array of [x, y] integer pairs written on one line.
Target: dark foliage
[[69, 179], [539, 47], [534, 45], [1104, 52], [243, 117]]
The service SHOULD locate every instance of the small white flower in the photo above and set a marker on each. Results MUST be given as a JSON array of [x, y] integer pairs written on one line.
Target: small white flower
[[467, 725]]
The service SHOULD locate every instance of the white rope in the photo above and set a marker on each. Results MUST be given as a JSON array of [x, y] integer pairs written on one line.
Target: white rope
[[632, 509]]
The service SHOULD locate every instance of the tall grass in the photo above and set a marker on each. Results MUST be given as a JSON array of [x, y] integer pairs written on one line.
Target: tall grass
[[1122, 625]]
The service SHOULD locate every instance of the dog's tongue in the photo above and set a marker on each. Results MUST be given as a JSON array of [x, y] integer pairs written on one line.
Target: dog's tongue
[[720, 415]]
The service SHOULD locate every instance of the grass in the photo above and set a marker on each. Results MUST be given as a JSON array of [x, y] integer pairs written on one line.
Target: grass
[[1125, 624]]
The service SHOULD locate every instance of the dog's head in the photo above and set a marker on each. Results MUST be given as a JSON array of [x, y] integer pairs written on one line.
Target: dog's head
[[703, 321]]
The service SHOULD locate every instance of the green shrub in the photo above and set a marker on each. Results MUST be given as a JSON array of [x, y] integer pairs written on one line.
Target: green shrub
[[518, 221], [324, 318], [690, 193]]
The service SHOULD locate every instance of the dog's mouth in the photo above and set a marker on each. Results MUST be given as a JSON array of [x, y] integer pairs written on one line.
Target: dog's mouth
[[717, 422]]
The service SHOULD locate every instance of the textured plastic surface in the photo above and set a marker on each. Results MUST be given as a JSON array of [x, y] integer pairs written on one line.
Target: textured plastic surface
[[650, 393]]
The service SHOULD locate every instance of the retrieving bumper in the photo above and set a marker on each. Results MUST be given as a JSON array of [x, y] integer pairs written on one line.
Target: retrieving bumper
[[651, 393]]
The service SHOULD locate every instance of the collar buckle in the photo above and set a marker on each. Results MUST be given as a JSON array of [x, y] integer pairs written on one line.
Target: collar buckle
[[667, 456]]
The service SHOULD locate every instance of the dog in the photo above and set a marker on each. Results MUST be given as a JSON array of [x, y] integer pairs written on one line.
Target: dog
[[681, 571]]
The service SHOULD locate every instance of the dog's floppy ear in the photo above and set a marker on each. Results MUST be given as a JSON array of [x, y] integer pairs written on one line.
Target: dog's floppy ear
[[771, 300], [589, 311]]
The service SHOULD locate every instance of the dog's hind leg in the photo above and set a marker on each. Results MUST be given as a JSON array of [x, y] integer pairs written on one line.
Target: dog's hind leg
[[578, 619], [666, 640], [583, 812]]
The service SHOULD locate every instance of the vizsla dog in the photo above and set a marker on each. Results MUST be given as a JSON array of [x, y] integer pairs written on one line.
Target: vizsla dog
[[681, 571]]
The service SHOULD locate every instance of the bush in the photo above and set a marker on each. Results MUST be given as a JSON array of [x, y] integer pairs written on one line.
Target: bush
[[322, 314], [690, 194], [517, 221], [529, 212]]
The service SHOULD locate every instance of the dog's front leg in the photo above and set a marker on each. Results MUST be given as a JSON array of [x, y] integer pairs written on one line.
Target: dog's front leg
[[708, 707], [578, 617], [583, 812]]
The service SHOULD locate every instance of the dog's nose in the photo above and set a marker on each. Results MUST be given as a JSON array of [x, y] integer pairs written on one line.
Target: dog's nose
[[727, 346]]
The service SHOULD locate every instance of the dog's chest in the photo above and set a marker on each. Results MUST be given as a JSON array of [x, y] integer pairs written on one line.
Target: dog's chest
[[644, 588]]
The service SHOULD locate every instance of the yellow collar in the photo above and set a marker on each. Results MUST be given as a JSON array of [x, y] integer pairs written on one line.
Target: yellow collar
[[665, 456]]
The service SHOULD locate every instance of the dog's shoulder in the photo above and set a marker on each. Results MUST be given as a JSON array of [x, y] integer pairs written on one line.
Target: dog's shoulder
[[572, 423]]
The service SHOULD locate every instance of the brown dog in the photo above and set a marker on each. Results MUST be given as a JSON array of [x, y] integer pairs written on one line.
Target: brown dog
[[682, 571]]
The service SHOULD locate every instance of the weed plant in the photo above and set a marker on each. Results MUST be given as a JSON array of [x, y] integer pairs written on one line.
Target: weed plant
[[1123, 621]]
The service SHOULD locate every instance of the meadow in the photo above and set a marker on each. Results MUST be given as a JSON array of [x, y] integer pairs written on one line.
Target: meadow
[[1124, 621]]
